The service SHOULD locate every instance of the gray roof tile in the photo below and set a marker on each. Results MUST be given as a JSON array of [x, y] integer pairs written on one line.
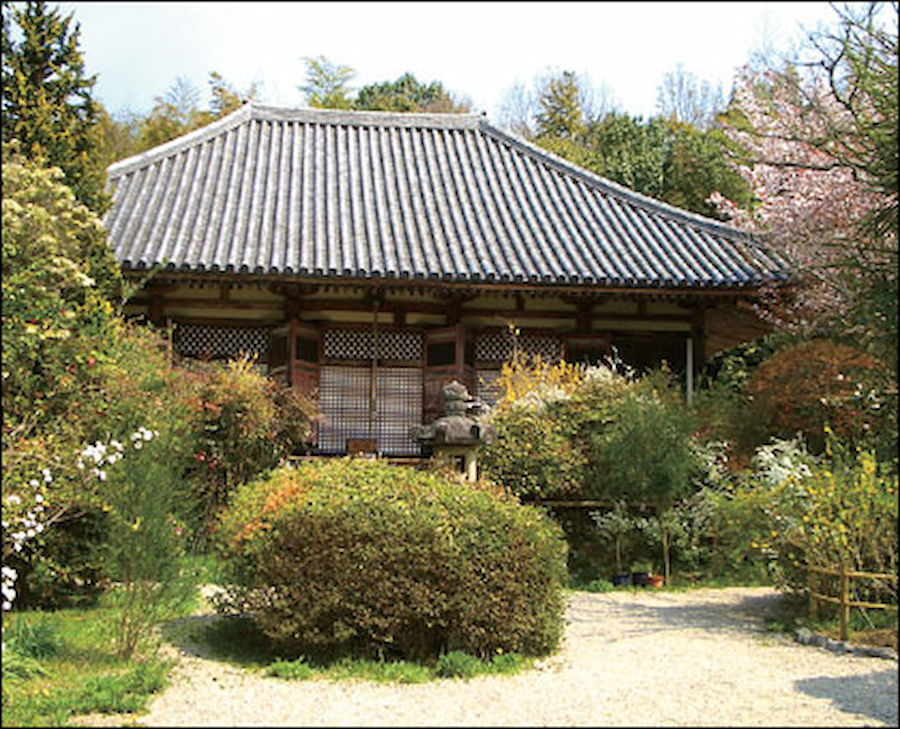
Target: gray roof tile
[[370, 195]]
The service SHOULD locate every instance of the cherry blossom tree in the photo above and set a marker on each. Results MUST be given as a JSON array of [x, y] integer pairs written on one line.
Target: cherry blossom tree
[[817, 141]]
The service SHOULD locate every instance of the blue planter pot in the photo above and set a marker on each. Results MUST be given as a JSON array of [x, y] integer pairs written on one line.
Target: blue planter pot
[[621, 579]]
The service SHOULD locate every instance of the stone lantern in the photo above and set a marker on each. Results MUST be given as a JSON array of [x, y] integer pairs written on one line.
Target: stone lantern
[[457, 434]]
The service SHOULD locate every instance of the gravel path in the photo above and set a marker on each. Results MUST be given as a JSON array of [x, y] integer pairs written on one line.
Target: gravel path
[[698, 658]]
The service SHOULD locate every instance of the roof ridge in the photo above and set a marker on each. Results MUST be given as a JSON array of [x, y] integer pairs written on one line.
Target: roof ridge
[[179, 144], [265, 112], [615, 188], [353, 117]]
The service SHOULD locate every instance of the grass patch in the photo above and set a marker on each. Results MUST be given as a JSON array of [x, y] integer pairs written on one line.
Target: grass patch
[[237, 640], [62, 664]]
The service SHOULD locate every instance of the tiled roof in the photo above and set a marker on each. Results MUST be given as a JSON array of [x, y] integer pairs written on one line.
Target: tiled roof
[[371, 195]]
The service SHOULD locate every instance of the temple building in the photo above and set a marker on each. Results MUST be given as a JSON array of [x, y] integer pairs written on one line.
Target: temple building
[[371, 258]]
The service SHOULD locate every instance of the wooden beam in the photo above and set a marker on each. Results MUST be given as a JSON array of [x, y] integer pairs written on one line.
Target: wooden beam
[[406, 283], [418, 307]]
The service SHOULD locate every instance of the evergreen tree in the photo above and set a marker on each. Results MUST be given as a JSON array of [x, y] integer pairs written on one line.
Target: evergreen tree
[[561, 115], [47, 102], [408, 94]]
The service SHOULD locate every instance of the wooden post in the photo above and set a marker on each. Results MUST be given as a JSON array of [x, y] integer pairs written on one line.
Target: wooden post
[[665, 545], [813, 601], [845, 602]]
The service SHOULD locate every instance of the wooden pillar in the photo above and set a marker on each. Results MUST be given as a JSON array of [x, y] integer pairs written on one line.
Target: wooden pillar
[[845, 602]]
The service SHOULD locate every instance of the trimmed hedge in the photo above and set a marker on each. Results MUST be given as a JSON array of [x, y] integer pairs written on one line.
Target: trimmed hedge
[[378, 559]]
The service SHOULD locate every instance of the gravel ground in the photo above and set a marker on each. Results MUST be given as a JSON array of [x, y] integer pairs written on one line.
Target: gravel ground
[[697, 658]]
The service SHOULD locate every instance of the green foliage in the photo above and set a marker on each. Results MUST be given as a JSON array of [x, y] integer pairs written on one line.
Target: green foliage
[[296, 670], [646, 455], [598, 584], [407, 94], [666, 159], [125, 692], [78, 675], [696, 167], [145, 548], [239, 424], [47, 104], [18, 666], [732, 368], [792, 509], [39, 638], [59, 275], [226, 98], [632, 152], [352, 553], [327, 84], [560, 114], [600, 436], [671, 161], [616, 525], [457, 664], [174, 113], [382, 671], [533, 454]]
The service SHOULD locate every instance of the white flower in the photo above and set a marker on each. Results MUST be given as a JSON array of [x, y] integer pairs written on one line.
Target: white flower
[[7, 605], [39, 498], [9, 573], [101, 475], [46, 473], [13, 499], [34, 483]]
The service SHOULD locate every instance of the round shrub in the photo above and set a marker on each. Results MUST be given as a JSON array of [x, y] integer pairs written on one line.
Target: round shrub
[[807, 386], [358, 555]]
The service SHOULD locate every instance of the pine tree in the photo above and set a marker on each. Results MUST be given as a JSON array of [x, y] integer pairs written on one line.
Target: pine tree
[[47, 102], [561, 115]]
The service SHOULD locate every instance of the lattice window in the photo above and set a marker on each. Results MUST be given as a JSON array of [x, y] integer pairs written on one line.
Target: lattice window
[[499, 346], [345, 402], [487, 387], [400, 346], [398, 408], [359, 344], [221, 342], [348, 344]]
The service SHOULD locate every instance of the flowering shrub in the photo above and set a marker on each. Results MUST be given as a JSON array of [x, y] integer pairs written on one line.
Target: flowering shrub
[[239, 423], [59, 276], [792, 509], [376, 558], [141, 491], [601, 435], [809, 385]]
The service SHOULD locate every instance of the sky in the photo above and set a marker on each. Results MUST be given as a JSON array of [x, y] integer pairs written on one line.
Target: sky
[[476, 50]]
